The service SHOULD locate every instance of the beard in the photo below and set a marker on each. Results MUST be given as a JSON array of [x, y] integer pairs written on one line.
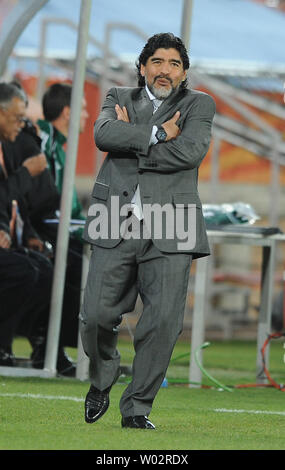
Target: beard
[[161, 93]]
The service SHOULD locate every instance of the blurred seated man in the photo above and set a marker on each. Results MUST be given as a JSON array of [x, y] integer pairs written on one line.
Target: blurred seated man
[[27, 169], [19, 175], [25, 281]]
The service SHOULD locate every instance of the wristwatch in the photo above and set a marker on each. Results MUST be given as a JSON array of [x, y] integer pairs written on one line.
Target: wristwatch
[[161, 134]]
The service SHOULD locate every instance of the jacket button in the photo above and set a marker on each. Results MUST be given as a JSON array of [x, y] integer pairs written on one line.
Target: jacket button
[[125, 193]]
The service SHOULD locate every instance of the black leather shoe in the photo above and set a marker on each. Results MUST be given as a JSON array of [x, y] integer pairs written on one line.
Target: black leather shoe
[[96, 404], [6, 358], [137, 422]]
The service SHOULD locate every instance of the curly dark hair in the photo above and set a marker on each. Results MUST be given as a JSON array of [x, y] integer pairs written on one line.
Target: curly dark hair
[[165, 41]]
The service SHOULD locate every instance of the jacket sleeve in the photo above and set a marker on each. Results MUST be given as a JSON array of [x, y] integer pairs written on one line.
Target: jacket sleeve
[[4, 216], [39, 192], [190, 147], [20, 180], [112, 135], [5, 213]]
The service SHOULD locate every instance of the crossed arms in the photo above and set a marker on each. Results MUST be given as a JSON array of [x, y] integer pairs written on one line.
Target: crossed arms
[[188, 134]]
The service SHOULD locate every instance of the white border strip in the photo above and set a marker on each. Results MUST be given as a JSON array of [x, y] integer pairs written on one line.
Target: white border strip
[[255, 412]]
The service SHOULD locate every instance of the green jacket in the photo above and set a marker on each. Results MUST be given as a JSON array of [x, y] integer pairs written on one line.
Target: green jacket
[[52, 145]]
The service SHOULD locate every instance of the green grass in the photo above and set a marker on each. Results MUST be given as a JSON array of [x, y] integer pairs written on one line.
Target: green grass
[[185, 418]]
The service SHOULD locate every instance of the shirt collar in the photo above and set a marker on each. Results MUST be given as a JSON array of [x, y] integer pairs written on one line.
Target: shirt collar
[[151, 96], [47, 127]]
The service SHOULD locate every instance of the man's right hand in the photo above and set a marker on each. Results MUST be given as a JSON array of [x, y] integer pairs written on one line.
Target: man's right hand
[[5, 240], [171, 128], [36, 165]]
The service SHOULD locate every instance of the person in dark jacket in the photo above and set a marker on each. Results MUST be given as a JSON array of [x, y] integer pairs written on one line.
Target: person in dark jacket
[[25, 275]]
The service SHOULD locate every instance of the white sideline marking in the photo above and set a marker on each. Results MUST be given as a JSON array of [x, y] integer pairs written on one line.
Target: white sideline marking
[[256, 412], [41, 397], [76, 399]]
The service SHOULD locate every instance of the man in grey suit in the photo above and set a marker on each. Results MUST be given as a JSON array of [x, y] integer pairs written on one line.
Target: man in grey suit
[[145, 225]]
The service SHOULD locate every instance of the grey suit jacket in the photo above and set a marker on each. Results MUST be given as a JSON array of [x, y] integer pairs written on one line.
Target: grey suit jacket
[[167, 173]]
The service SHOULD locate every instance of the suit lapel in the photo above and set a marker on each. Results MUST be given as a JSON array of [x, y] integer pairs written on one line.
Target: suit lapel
[[167, 108], [142, 105]]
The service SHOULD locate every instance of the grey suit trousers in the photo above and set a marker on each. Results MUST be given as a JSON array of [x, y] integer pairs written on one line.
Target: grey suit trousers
[[116, 277]]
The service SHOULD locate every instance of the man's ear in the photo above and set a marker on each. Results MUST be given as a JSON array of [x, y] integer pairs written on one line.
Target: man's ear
[[66, 112], [142, 70]]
